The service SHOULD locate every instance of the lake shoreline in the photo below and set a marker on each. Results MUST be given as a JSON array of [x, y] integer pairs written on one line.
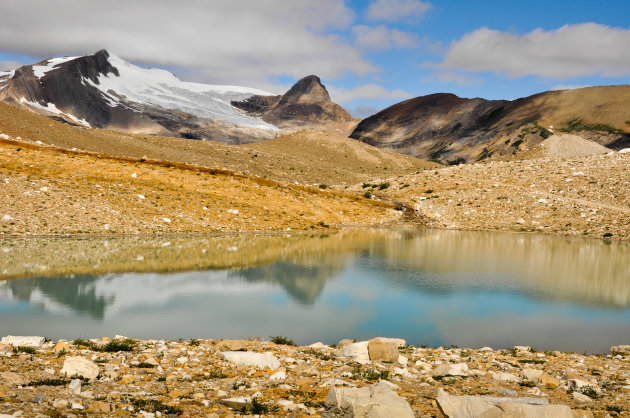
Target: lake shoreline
[[200, 378]]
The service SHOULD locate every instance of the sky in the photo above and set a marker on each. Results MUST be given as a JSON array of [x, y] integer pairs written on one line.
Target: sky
[[370, 54]]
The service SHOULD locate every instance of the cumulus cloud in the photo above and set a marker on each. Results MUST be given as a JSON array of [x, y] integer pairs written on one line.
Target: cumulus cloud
[[381, 37], [363, 111], [366, 91], [451, 77], [570, 51], [234, 41], [395, 10]]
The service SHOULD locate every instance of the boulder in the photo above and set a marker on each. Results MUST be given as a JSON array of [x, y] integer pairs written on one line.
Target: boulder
[[490, 407], [247, 358], [23, 341], [624, 350], [458, 369], [548, 381], [358, 352], [532, 375], [377, 400], [580, 397], [79, 366], [240, 403], [383, 349]]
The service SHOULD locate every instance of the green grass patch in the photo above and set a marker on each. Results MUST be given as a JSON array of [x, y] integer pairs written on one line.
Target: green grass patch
[[49, 382], [24, 349], [578, 125], [154, 405], [282, 340]]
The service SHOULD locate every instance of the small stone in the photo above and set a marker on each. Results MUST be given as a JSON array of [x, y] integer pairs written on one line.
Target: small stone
[[581, 397], [458, 369], [505, 377], [75, 386], [240, 403], [281, 375], [76, 405], [60, 403], [509, 392]]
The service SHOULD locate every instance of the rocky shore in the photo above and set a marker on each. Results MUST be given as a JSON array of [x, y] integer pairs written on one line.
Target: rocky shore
[[382, 377]]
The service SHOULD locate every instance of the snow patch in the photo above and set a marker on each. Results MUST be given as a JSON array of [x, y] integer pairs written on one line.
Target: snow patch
[[41, 70], [50, 107], [162, 88]]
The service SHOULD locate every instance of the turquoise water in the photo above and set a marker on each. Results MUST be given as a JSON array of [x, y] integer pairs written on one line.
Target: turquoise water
[[469, 289]]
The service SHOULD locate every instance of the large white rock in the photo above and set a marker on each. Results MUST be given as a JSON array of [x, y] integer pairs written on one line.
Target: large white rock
[[79, 366], [247, 358], [22, 341], [375, 401], [358, 352], [620, 349], [458, 369], [489, 406]]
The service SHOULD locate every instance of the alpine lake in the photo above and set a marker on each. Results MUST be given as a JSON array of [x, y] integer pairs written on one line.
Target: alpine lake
[[430, 287]]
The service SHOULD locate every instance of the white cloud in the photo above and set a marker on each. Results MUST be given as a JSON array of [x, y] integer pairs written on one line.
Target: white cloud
[[569, 86], [570, 51], [395, 10], [366, 91], [381, 37], [363, 111], [10, 65], [451, 77], [223, 41]]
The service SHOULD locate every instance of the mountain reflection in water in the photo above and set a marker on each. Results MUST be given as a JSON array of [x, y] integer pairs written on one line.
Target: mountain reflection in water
[[357, 282]]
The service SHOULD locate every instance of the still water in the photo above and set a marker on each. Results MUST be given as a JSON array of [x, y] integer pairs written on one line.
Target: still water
[[431, 287]]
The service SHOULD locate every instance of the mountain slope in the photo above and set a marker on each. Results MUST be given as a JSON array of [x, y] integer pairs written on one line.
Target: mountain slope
[[308, 157], [449, 128]]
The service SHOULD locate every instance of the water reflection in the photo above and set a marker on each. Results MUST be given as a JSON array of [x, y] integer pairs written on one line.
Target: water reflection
[[430, 287]]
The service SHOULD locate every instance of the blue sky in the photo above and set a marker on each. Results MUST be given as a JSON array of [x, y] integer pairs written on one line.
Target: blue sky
[[370, 54]]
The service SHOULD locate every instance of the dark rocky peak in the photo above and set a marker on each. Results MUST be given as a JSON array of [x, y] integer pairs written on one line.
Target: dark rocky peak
[[307, 90]]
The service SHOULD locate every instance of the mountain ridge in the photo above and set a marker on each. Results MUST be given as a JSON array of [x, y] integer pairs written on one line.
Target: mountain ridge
[[104, 91], [451, 129]]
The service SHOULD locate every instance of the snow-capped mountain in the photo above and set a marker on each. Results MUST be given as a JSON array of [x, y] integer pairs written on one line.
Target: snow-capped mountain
[[105, 91]]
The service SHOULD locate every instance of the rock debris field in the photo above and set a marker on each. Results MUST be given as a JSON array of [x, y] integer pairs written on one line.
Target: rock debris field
[[382, 377]]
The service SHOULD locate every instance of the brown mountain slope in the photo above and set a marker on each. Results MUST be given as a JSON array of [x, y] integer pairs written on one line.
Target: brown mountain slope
[[449, 128], [309, 157]]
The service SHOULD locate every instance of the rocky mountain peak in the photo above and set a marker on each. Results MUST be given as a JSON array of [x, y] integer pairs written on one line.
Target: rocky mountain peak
[[307, 90]]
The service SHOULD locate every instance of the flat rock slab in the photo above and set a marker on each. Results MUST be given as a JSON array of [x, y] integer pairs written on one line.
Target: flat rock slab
[[247, 358], [22, 341], [79, 366], [491, 407], [375, 401]]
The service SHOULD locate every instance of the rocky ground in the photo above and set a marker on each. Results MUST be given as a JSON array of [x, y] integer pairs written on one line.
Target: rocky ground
[[51, 192], [579, 196], [123, 377]]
